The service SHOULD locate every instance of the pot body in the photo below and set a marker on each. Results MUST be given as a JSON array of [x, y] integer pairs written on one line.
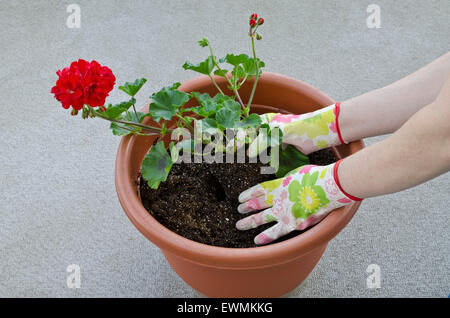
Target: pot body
[[272, 281], [267, 271]]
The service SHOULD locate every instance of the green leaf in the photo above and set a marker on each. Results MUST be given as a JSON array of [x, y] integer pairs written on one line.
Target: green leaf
[[118, 128], [226, 117], [272, 139], [185, 145], [156, 165], [250, 67], [208, 123], [253, 120], [175, 85], [166, 102], [221, 72], [209, 106], [220, 98], [290, 158], [203, 42], [207, 109], [114, 111], [236, 59], [132, 88], [204, 67], [238, 72], [201, 97], [232, 105]]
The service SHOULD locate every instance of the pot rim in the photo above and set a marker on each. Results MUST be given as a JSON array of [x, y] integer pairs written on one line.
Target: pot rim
[[224, 257]]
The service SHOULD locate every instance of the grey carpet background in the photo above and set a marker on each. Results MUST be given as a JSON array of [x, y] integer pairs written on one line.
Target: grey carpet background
[[58, 201]]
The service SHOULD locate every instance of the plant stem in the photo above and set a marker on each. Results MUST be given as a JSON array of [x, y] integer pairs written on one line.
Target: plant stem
[[249, 104], [243, 81], [215, 84], [233, 87], [186, 123], [135, 112], [155, 130], [137, 132]]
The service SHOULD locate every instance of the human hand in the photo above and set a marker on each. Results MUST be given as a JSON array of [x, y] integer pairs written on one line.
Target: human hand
[[300, 199], [308, 132]]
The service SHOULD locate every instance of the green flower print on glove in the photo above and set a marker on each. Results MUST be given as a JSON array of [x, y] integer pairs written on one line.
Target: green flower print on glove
[[300, 199], [308, 197], [308, 132]]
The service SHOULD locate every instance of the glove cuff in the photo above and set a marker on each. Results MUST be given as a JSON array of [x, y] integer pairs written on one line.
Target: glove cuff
[[337, 110], [336, 180]]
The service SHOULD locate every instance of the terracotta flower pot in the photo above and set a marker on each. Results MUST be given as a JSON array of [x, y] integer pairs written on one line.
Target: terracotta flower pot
[[266, 271]]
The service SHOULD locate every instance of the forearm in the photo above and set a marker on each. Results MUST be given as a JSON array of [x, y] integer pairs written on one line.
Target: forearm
[[384, 110], [417, 152]]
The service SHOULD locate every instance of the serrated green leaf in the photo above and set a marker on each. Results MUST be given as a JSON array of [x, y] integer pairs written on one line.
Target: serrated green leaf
[[201, 97], [238, 72], [232, 105], [203, 42], [220, 98], [290, 158], [253, 120], [204, 67], [166, 102], [114, 111], [209, 106], [156, 165], [250, 67], [236, 59], [227, 118], [208, 123], [132, 88], [221, 72], [175, 85]]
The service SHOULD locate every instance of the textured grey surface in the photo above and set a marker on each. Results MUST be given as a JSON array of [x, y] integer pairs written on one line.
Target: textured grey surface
[[58, 201]]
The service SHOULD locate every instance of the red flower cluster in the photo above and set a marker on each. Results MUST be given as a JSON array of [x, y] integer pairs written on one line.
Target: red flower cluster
[[253, 20], [83, 83]]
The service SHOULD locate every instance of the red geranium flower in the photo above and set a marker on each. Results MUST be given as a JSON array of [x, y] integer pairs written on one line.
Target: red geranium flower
[[83, 83]]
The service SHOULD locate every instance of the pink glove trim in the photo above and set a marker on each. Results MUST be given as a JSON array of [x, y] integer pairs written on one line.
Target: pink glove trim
[[336, 179], [337, 111]]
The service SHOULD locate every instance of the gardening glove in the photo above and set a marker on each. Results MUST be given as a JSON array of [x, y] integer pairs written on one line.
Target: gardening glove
[[307, 132], [300, 199]]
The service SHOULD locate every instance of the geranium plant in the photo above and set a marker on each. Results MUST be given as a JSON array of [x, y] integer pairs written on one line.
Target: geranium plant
[[84, 86]]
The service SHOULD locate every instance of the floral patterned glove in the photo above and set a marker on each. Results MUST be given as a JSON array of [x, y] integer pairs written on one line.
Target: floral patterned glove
[[300, 199], [308, 132]]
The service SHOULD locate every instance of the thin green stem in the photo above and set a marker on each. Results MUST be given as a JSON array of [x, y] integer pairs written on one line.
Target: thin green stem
[[233, 87], [243, 81], [135, 112], [249, 104], [215, 84], [187, 124], [137, 132], [155, 130]]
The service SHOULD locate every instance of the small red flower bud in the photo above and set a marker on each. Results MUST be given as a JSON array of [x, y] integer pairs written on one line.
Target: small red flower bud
[[260, 21], [252, 23], [254, 16]]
